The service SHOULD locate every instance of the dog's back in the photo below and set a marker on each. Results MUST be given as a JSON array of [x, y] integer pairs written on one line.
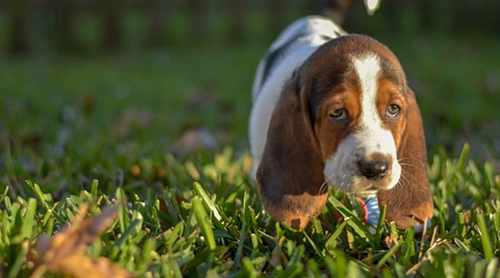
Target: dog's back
[[302, 36], [292, 47]]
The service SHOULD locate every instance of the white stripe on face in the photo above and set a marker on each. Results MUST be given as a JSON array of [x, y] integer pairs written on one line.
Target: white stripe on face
[[368, 69], [341, 169]]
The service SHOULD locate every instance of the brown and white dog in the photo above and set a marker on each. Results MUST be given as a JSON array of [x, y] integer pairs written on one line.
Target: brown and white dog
[[336, 108]]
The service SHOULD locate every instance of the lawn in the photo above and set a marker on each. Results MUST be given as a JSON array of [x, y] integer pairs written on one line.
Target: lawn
[[99, 130]]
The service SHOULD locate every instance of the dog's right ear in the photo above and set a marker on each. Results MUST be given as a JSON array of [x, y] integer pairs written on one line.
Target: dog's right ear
[[290, 173], [409, 203]]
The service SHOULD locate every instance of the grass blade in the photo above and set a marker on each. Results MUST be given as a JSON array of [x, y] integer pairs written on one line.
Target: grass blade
[[388, 255], [204, 222], [18, 263], [354, 222], [206, 200], [29, 220], [485, 237]]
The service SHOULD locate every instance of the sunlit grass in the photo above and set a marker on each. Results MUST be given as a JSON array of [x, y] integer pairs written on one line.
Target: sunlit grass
[[208, 219]]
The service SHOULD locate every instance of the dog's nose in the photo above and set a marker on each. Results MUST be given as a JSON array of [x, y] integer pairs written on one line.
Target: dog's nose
[[374, 170]]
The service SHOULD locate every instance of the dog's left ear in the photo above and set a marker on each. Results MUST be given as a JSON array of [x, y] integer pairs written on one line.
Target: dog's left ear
[[411, 198], [290, 173]]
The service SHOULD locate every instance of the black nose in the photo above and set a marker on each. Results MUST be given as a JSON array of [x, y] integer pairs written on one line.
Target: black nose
[[373, 170]]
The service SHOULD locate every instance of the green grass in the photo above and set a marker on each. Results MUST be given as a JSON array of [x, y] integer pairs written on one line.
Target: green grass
[[99, 130], [212, 211]]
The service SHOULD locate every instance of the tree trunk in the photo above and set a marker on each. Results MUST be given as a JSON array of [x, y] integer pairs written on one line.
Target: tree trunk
[[112, 16], [18, 43], [427, 12], [64, 11], [459, 15], [198, 10], [277, 13], [311, 6], [394, 11], [158, 9], [236, 14]]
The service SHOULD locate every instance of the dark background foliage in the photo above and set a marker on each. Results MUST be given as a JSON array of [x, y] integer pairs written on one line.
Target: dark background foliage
[[164, 55]]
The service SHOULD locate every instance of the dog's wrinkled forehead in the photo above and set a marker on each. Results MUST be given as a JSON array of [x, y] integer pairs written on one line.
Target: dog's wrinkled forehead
[[333, 64]]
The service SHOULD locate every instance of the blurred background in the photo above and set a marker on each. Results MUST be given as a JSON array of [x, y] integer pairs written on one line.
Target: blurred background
[[116, 80]]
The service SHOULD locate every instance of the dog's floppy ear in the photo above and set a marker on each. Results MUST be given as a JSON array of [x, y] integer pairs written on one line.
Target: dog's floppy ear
[[290, 173], [411, 197]]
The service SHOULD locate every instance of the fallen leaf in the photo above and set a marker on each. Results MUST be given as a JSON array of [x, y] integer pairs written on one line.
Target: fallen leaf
[[160, 172], [130, 118], [87, 104], [390, 240], [492, 83], [66, 254], [277, 256], [163, 203], [164, 209], [194, 139], [201, 99], [136, 170], [247, 165]]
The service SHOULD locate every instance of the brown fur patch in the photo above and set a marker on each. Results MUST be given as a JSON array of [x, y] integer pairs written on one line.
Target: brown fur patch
[[388, 93]]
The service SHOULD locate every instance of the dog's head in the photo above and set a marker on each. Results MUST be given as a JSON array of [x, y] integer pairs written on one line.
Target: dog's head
[[348, 118]]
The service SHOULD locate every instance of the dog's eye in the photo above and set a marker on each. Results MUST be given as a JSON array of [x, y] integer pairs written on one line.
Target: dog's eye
[[338, 114], [393, 110]]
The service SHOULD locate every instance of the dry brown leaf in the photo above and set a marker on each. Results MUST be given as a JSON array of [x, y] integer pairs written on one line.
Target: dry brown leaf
[[492, 82], [277, 256], [87, 103], [163, 203], [130, 118], [66, 254], [390, 240], [194, 139], [160, 172], [201, 99], [136, 170]]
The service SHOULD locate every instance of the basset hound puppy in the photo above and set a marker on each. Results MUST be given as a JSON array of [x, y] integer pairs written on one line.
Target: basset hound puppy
[[335, 109]]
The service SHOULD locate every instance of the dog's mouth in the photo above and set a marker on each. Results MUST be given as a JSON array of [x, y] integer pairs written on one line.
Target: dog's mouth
[[368, 190], [367, 193], [370, 187], [360, 185]]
